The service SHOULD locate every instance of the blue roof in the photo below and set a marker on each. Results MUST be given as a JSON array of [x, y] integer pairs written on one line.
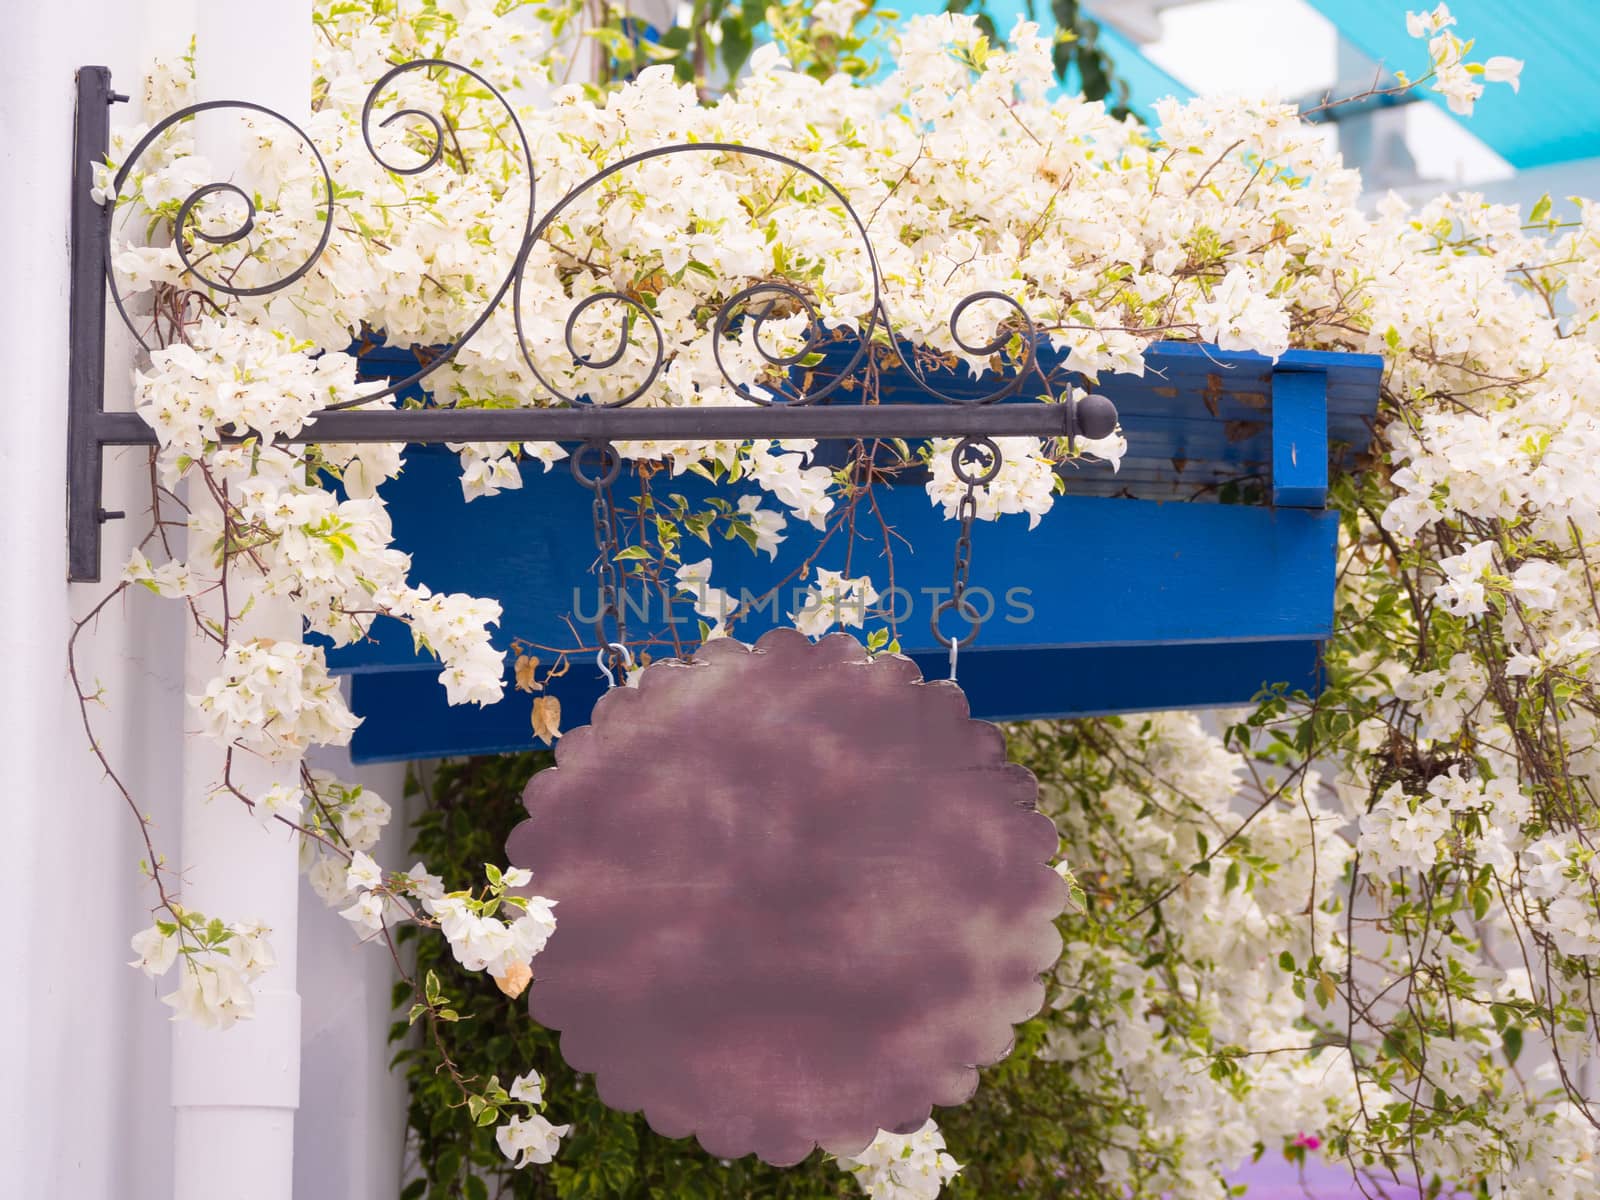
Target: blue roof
[[1146, 82], [1553, 119]]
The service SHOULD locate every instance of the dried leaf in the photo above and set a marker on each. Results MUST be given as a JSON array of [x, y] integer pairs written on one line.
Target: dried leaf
[[514, 981], [527, 665], [547, 718]]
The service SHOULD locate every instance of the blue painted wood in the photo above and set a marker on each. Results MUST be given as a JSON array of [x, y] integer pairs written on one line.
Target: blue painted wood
[[1300, 439], [1243, 589], [1124, 599], [1096, 571]]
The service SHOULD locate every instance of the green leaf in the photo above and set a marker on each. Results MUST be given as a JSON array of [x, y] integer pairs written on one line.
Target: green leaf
[[1511, 1038], [1480, 902], [1327, 989], [737, 43]]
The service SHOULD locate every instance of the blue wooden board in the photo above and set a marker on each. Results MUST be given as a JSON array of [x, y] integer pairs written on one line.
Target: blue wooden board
[[1117, 602], [1097, 574]]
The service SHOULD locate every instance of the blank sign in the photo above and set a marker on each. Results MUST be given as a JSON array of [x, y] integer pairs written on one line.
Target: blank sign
[[802, 896]]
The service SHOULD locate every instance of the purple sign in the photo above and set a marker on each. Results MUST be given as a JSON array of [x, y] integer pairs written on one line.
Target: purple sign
[[803, 896]]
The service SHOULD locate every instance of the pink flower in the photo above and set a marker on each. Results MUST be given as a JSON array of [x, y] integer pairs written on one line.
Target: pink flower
[[1308, 1141]]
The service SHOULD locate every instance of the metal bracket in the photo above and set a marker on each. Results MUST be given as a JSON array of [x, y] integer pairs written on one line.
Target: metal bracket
[[86, 328], [821, 414]]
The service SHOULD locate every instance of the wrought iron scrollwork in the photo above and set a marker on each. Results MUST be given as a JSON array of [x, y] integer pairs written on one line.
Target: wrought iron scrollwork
[[184, 225], [786, 378], [756, 303]]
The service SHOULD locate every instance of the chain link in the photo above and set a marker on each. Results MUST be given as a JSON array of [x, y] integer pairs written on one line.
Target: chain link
[[966, 512], [609, 576]]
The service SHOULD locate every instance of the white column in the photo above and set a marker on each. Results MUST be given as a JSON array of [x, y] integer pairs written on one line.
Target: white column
[[235, 1092]]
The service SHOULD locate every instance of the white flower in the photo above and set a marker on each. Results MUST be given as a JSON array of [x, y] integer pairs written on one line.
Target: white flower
[[1536, 583], [250, 950], [714, 604], [1240, 315], [530, 1139], [327, 879], [364, 873], [903, 1166], [527, 1087], [1403, 832], [1501, 69], [834, 600], [767, 524], [1426, 24], [805, 490], [274, 698], [279, 801], [172, 579], [422, 885], [1025, 483], [156, 950], [367, 912], [515, 877], [213, 993], [455, 627], [835, 17], [489, 944]]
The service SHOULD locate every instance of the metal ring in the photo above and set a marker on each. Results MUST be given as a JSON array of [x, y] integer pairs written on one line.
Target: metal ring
[[958, 460], [610, 463], [968, 613]]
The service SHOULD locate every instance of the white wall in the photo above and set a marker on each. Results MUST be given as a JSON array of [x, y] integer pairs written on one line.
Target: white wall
[[84, 1111], [349, 1139], [84, 1104]]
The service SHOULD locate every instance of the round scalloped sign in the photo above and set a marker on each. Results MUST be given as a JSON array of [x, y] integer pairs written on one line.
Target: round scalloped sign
[[802, 896]]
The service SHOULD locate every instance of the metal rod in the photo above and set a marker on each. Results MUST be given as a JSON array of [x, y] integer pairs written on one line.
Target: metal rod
[[86, 327], [579, 424]]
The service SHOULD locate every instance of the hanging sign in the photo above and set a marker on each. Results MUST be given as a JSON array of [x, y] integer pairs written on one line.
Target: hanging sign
[[803, 896]]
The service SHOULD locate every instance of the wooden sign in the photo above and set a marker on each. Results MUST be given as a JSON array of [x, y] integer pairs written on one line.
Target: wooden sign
[[802, 896]]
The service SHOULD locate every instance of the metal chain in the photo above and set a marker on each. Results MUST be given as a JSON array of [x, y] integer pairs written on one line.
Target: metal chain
[[612, 648], [966, 511]]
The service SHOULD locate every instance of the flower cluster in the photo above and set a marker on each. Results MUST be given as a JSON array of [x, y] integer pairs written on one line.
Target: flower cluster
[[1454, 78], [217, 964], [528, 1138], [835, 600], [895, 1166], [275, 698]]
